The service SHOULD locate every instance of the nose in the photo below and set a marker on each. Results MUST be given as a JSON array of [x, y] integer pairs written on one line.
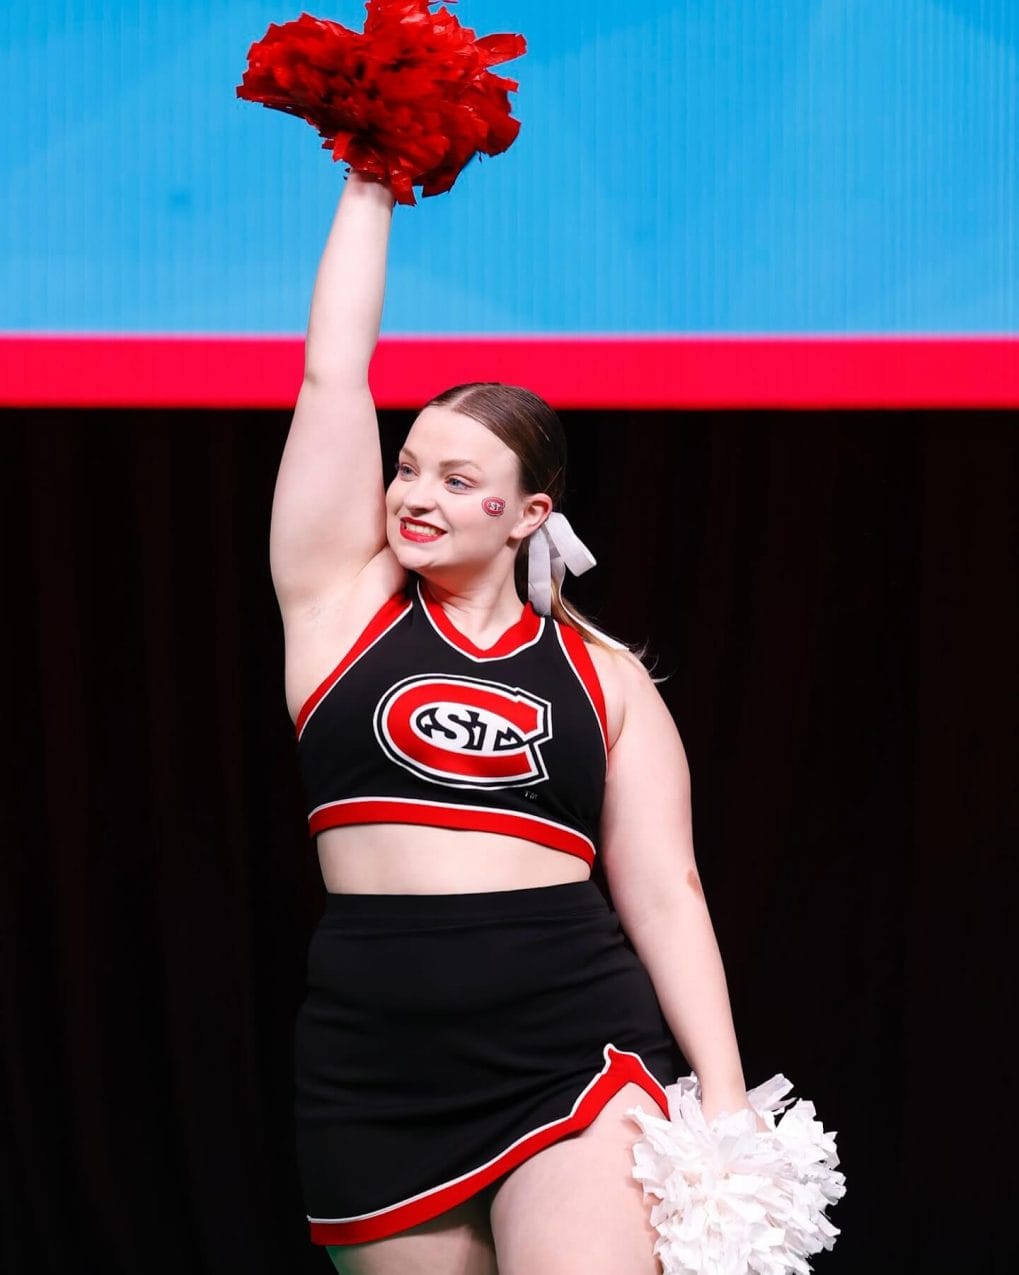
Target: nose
[[417, 495], [417, 505]]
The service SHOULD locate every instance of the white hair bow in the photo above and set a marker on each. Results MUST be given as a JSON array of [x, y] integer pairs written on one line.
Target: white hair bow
[[550, 550]]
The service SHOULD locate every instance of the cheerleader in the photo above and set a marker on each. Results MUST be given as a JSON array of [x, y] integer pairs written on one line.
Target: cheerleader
[[478, 1018], [483, 1031]]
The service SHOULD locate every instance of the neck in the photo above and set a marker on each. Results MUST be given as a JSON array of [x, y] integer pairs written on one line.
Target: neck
[[482, 610]]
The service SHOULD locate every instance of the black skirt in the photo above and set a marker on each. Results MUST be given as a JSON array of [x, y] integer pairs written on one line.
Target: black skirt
[[445, 1038]]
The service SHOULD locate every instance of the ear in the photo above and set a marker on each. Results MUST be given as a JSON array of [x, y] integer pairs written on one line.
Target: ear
[[533, 513]]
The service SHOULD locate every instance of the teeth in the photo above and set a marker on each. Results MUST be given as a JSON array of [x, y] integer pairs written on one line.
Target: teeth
[[421, 529]]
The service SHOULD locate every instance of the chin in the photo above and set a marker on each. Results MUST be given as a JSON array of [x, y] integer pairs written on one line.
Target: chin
[[409, 557]]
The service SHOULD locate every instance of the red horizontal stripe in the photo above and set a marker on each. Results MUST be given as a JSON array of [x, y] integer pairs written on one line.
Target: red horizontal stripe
[[381, 810], [47, 370], [620, 1068]]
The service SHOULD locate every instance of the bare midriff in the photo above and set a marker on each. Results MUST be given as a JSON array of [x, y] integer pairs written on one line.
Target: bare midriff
[[399, 858]]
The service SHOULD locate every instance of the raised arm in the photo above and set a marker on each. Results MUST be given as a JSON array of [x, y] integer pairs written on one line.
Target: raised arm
[[328, 513]]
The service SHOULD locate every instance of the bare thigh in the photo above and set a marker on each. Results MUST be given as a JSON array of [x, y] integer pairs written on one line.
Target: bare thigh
[[575, 1208], [457, 1242]]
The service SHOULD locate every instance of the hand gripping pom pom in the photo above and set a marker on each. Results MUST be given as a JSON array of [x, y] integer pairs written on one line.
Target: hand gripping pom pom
[[730, 1199], [408, 102]]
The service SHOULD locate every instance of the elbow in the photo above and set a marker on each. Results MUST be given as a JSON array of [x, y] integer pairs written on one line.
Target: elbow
[[676, 904]]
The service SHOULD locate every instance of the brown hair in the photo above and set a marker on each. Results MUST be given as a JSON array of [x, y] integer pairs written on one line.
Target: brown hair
[[531, 429]]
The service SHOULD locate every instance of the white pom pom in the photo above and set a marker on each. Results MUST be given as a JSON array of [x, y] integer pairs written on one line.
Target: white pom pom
[[729, 1199]]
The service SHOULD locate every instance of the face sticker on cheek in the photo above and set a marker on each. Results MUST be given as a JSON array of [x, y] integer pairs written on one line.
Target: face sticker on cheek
[[493, 505]]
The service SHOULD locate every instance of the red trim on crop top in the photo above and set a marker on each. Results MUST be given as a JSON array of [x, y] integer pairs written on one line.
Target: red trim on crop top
[[579, 656], [392, 610], [518, 635], [446, 814]]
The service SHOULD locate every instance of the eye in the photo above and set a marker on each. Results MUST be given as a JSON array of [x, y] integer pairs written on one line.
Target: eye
[[453, 479], [401, 465]]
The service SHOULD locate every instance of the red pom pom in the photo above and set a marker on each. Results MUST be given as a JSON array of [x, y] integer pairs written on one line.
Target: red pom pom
[[408, 102]]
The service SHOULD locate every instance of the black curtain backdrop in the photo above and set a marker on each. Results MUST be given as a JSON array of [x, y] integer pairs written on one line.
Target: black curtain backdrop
[[830, 595]]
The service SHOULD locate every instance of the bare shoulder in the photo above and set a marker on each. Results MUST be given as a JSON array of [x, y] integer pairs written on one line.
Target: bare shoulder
[[623, 677], [322, 630], [647, 757]]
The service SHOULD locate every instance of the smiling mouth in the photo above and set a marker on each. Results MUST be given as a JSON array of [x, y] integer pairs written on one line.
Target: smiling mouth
[[419, 530]]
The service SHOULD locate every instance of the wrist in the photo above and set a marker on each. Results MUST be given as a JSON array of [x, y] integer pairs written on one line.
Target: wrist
[[716, 1098], [370, 188], [710, 1107]]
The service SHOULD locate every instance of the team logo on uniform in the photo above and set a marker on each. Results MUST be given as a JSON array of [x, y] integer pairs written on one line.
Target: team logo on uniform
[[464, 731]]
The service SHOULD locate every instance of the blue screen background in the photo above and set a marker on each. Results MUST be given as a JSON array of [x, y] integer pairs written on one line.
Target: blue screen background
[[809, 166]]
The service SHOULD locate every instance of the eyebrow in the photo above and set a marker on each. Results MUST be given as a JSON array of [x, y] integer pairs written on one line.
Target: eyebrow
[[444, 464]]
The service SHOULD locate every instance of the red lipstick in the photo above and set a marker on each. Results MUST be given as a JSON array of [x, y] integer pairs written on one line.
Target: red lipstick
[[417, 536]]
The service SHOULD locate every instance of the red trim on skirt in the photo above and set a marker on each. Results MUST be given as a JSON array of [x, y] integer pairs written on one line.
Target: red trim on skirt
[[620, 1068]]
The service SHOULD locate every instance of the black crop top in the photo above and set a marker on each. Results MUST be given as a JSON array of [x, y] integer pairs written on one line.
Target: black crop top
[[418, 725]]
